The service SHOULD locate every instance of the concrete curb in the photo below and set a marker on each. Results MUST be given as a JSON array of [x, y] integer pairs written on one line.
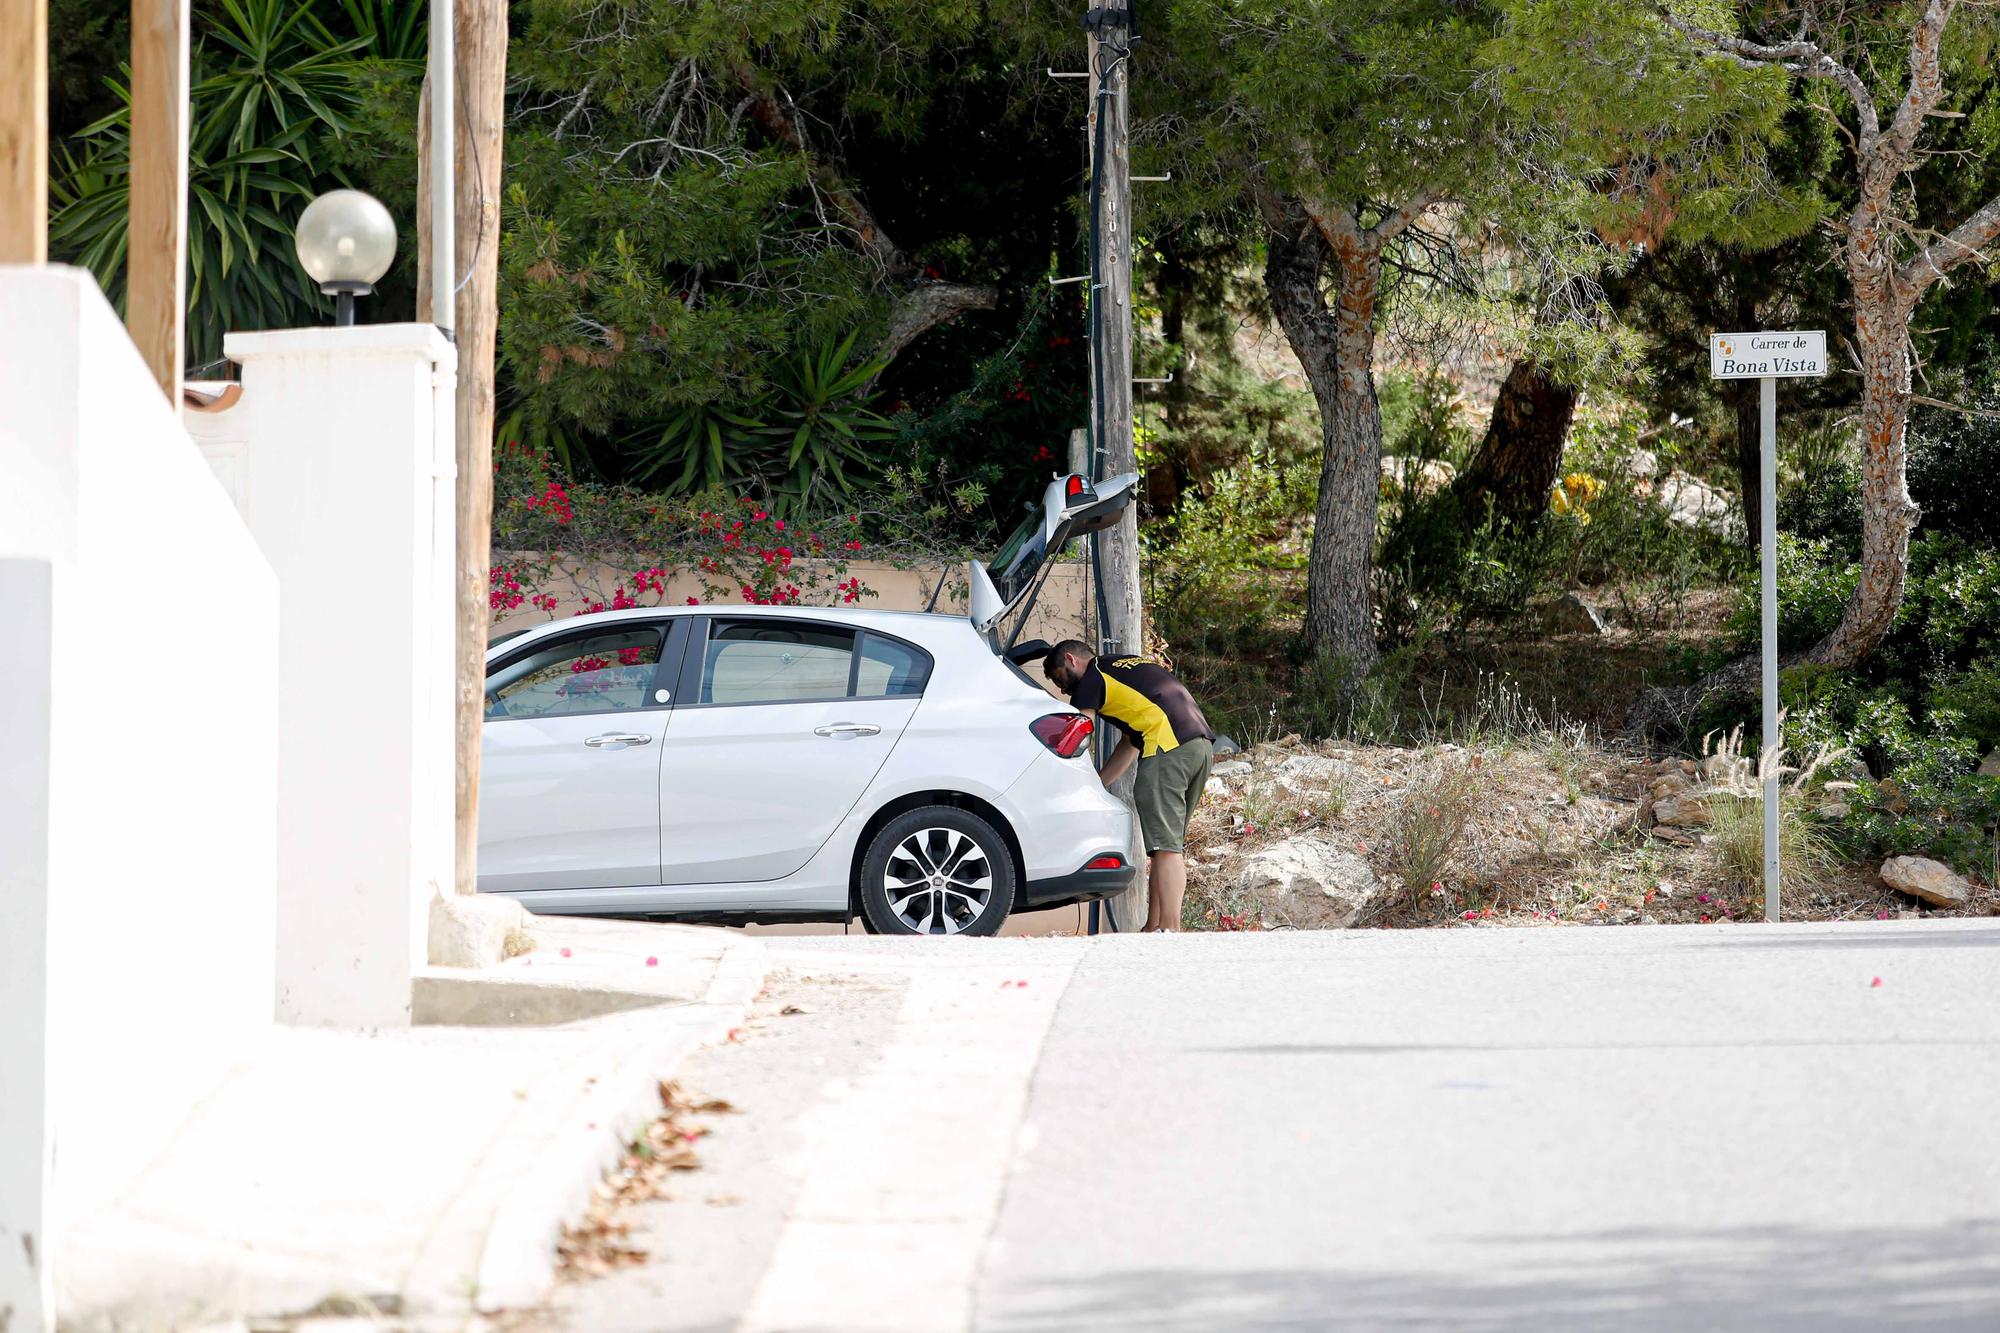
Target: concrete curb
[[518, 1259]]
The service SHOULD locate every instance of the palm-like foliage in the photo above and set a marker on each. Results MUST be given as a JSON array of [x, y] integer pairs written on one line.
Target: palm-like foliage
[[814, 421], [272, 80]]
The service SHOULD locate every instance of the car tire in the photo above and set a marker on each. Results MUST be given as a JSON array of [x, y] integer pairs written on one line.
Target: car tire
[[939, 870]]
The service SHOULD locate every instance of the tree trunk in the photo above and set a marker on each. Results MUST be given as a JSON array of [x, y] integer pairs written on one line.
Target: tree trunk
[[1516, 465], [1337, 349], [1888, 515]]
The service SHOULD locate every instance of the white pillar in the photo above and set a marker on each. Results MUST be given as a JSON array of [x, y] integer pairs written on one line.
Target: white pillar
[[339, 455], [26, 664]]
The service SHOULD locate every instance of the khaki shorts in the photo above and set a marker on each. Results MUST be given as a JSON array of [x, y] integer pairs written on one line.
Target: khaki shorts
[[1167, 790]]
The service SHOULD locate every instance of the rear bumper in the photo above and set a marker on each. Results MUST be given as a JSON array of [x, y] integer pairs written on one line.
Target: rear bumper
[[1079, 885]]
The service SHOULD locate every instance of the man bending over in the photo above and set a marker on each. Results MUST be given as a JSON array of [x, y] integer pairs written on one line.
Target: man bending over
[[1161, 726]]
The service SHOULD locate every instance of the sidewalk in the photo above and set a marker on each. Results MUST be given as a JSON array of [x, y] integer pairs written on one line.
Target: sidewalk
[[426, 1170]]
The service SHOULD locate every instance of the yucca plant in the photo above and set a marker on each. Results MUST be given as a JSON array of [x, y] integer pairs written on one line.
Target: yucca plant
[[811, 432], [271, 80]]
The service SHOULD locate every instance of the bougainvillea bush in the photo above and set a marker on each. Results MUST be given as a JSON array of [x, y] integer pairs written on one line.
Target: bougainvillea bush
[[607, 548]]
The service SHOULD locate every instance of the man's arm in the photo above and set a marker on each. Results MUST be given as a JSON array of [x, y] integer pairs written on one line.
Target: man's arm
[[1120, 760]]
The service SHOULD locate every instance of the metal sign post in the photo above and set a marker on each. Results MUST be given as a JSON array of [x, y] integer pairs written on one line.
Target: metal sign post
[[1768, 357]]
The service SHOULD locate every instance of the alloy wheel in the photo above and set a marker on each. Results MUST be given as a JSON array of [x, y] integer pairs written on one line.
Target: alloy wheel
[[938, 881]]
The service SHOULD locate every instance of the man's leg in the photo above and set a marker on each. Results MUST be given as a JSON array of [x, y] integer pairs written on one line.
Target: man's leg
[[1166, 885]]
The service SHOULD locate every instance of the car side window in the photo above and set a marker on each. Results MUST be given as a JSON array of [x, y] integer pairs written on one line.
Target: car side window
[[605, 671], [890, 669], [775, 662]]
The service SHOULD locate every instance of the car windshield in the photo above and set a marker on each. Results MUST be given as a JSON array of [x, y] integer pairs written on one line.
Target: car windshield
[[1014, 565]]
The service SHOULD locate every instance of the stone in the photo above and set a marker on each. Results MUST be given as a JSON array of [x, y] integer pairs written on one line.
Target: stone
[[1670, 784], [1233, 770], [1835, 810], [1643, 464], [1691, 502], [1680, 837], [1571, 614], [1311, 770], [1891, 796], [1989, 767], [1313, 867], [471, 930], [1217, 790], [1684, 810], [1921, 877]]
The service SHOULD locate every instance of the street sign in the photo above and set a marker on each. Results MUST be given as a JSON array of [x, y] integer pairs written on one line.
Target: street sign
[[1768, 357], [1755, 356]]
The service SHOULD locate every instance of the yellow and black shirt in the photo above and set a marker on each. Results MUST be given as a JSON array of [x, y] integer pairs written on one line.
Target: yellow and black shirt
[[1146, 701]]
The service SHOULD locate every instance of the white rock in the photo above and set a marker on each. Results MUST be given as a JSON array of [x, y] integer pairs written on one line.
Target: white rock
[[1642, 463], [1989, 767], [1311, 866], [1217, 790], [1311, 770], [1921, 877], [1691, 502], [471, 930], [1231, 771]]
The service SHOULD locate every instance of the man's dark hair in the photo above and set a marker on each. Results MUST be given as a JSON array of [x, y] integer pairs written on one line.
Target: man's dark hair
[[1067, 648]]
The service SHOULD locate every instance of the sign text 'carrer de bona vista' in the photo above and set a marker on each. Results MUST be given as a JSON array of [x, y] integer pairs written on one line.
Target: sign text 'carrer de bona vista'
[[1755, 356]]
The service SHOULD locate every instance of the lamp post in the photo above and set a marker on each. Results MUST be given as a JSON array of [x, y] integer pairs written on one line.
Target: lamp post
[[346, 241]]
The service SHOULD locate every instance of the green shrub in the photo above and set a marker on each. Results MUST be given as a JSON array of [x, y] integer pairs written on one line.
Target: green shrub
[[1974, 695], [1815, 579], [1954, 472]]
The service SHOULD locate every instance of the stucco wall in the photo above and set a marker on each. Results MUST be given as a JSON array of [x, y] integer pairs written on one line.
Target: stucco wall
[[339, 456], [158, 695]]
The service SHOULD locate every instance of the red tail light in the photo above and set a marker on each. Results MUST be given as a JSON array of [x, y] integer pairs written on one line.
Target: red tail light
[[1107, 863], [1065, 733], [1075, 485]]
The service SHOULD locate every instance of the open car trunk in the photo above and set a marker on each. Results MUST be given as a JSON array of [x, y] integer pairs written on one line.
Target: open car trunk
[[1071, 507]]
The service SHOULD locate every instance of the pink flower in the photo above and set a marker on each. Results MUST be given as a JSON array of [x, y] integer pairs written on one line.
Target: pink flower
[[565, 952], [652, 962], [1470, 914]]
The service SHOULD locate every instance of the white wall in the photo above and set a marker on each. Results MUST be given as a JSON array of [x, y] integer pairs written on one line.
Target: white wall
[[339, 456], [156, 682]]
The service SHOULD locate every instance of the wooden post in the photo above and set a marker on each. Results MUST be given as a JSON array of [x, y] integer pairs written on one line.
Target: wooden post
[[24, 131], [1111, 382], [156, 257], [481, 74]]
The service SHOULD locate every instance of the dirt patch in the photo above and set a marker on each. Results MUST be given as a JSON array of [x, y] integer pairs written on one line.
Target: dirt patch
[[1556, 831]]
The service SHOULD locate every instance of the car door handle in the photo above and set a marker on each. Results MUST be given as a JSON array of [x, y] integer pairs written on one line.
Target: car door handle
[[848, 729], [617, 738]]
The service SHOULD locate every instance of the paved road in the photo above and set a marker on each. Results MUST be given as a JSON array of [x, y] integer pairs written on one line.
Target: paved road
[[1671, 1128]]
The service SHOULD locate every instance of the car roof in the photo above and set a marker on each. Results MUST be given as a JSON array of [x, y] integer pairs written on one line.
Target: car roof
[[913, 624]]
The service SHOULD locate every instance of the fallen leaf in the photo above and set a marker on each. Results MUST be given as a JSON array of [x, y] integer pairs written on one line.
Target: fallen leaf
[[794, 1009], [724, 1200]]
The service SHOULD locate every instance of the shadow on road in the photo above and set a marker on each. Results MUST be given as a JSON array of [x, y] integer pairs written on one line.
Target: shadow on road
[[1761, 1278]]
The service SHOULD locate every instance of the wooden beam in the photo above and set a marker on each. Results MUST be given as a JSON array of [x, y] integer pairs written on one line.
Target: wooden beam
[[24, 131], [480, 34], [156, 258]]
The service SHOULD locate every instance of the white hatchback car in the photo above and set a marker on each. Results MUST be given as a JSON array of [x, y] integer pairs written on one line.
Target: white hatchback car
[[746, 764]]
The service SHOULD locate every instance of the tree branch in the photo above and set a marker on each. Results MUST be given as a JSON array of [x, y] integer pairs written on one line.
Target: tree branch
[[777, 120], [1392, 226], [1800, 56], [1960, 245], [927, 305]]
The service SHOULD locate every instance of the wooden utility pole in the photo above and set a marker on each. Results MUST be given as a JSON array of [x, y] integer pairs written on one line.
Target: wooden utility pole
[[1110, 185], [156, 257], [24, 131], [479, 71], [1111, 303]]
